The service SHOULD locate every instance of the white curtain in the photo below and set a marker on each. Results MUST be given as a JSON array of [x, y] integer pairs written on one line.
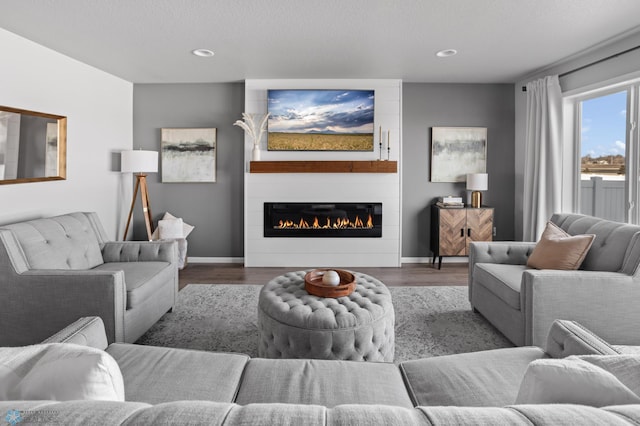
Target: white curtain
[[543, 155]]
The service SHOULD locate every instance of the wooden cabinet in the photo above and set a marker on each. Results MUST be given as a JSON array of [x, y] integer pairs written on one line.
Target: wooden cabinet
[[452, 229]]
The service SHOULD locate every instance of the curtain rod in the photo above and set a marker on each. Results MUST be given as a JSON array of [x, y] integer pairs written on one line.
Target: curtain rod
[[580, 68]]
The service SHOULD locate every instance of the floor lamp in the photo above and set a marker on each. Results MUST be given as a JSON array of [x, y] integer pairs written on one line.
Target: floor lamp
[[140, 162]]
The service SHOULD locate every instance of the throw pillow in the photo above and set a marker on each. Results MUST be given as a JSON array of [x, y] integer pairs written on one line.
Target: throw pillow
[[559, 250], [186, 228], [625, 367], [572, 381], [59, 372], [170, 229]]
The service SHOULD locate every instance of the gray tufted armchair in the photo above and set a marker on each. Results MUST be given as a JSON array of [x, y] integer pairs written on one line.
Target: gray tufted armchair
[[603, 295], [57, 269]]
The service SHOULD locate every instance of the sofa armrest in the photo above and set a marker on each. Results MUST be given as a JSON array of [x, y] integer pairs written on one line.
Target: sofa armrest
[[87, 331], [603, 302], [506, 252], [44, 301], [140, 251], [570, 338]]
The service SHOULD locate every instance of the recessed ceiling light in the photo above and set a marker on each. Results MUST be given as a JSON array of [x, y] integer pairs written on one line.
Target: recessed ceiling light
[[205, 53], [445, 53]]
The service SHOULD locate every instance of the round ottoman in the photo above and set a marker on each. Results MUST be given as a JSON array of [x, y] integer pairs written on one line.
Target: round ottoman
[[296, 324]]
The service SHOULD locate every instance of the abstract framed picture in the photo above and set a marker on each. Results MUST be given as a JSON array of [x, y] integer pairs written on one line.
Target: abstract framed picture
[[320, 120], [188, 155], [456, 151], [51, 151]]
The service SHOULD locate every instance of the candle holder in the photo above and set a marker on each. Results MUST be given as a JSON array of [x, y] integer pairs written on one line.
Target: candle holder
[[380, 143], [388, 144]]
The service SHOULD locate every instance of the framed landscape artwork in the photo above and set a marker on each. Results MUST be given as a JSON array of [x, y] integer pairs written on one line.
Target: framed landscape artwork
[[456, 151], [188, 155], [320, 120]]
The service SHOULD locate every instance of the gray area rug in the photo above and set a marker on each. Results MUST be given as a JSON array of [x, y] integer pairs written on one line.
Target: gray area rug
[[430, 321]]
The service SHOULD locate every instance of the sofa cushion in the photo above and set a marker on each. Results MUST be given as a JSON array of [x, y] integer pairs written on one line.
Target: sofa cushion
[[387, 415], [503, 280], [610, 247], [81, 413], [573, 380], [154, 374], [276, 414], [62, 242], [141, 278], [475, 416], [182, 413], [462, 379], [569, 414], [627, 349], [322, 382], [559, 250], [60, 372], [631, 412]]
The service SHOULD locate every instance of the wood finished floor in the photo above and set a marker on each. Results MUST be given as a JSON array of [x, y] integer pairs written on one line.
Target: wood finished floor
[[407, 275]]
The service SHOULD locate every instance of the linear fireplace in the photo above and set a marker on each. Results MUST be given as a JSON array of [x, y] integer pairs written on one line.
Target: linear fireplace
[[347, 220]]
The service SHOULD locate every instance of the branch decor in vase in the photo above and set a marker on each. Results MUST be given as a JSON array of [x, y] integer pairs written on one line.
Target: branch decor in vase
[[249, 124]]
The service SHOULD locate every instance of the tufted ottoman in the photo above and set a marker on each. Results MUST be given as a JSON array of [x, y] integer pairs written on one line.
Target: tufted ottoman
[[296, 324]]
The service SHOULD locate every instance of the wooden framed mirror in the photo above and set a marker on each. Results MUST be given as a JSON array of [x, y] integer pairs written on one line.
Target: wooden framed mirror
[[33, 146]]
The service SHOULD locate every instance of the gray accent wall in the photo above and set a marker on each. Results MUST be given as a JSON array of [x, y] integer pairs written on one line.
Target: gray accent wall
[[215, 209], [427, 105]]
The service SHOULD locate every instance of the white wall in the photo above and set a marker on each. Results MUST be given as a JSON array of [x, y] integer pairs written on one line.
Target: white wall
[[98, 107], [611, 69], [326, 187]]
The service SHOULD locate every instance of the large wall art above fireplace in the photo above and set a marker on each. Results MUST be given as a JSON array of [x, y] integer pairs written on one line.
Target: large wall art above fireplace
[[379, 246]]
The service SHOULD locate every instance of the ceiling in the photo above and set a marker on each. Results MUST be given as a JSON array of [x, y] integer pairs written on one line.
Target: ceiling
[[150, 41]]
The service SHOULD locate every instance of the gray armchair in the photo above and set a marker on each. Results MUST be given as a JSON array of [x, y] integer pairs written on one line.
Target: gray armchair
[[57, 269], [603, 295]]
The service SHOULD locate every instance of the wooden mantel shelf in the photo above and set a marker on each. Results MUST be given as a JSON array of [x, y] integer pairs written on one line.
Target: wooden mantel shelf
[[323, 167]]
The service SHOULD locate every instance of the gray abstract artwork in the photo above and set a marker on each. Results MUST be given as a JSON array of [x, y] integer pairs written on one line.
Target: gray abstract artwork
[[456, 151]]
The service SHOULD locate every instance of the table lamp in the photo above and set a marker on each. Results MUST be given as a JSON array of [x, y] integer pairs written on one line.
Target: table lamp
[[477, 182], [140, 162]]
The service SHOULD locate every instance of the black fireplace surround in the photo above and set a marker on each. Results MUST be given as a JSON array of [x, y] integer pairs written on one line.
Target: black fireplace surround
[[349, 220]]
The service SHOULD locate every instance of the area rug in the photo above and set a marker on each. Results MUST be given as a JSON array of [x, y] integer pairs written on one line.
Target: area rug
[[430, 321]]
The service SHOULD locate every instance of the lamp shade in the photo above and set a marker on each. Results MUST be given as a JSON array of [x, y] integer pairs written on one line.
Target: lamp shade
[[139, 161], [477, 181]]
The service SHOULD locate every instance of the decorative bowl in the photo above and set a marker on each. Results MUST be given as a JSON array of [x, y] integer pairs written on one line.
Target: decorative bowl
[[314, 285]]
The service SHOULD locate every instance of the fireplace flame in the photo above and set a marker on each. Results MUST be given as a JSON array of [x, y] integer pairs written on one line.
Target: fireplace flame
[[339, 223]]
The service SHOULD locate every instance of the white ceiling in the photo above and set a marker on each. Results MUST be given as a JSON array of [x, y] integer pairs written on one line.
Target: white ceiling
[[150, 41]]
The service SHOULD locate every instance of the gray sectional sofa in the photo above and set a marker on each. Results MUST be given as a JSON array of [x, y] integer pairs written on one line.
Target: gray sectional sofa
[[602, 295], [177, 386], [55, 270]]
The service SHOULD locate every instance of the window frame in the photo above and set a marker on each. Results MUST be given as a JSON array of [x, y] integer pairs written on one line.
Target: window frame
[[572, 125]]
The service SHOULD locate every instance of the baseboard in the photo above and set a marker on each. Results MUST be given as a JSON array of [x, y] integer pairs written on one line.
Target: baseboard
[[216, 259], [457, 259]]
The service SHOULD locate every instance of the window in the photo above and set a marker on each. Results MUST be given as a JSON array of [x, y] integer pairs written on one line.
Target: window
[[605, 172], [603, 146]]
